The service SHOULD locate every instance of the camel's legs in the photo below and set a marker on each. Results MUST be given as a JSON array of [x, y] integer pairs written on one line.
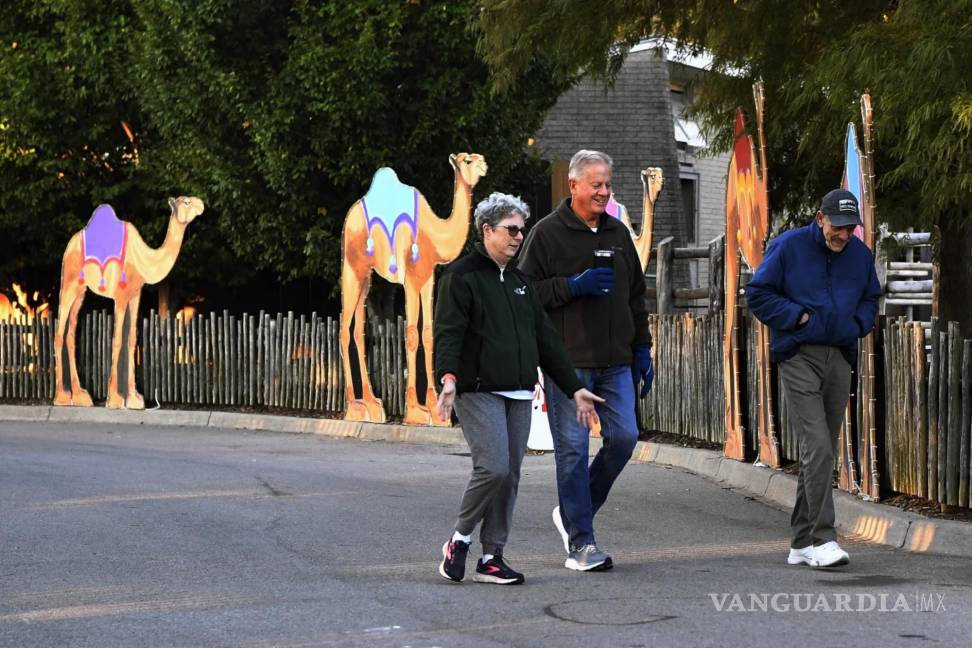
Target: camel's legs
[[415, 414], [367, 393], [350, 290], [133, 400], [115, 399], [79, 396], [428, 290], [69, 293], [354, 290]]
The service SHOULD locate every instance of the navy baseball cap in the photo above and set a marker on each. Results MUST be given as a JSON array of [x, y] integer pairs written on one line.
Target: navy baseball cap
[[840, 206]]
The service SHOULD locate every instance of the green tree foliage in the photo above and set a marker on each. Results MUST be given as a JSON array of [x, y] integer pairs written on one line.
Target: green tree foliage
[[275, 113], [816, 58]]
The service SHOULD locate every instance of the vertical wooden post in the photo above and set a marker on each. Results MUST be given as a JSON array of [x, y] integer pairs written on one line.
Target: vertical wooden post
[[933, 373], [921, 406], [965, 424], [717, 251], [664, 278], [954, 412], [943, 418]]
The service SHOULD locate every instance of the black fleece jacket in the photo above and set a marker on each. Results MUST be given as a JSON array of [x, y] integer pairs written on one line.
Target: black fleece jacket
[[492, 332], [597, 331]]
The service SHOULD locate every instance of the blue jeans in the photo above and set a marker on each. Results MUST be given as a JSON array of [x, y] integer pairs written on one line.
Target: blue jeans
[[582, 489]]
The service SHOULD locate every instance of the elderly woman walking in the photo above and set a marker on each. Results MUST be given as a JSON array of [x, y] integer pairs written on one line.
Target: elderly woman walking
[[491, 334]]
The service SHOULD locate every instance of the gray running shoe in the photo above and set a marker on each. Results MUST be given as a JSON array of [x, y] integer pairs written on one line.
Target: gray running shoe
[[588, 558]]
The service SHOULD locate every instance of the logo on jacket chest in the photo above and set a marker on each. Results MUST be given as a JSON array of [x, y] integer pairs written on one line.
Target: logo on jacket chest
[[520, 291]]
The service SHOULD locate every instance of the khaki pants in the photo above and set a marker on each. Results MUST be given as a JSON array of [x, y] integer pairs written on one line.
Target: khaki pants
[[816, 385]]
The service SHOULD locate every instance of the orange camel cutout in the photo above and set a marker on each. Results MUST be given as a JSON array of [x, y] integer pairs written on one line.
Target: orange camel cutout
[[120, 277], [652, 181], [403, 247], [747, 228]]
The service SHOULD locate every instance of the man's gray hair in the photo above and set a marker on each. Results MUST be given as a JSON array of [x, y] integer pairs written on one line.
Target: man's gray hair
[[496, 207], [583, 159]]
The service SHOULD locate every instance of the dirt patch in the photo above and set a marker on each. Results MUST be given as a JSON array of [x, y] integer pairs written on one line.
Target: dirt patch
[[928, 508], [656, 436]]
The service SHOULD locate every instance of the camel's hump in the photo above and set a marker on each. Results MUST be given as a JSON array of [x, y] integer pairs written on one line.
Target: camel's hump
[[388, 196], [103, 238], [103, 217]]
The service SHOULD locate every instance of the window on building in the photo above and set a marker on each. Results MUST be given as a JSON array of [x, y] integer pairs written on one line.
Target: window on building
[[690, 208]]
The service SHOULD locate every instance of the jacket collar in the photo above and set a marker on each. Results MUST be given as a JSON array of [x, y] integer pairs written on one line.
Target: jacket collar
[[816, 232], [481, 249], [570, 219]]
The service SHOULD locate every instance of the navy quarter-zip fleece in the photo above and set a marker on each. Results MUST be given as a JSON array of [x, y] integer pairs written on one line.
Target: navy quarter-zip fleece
[[838, 290]]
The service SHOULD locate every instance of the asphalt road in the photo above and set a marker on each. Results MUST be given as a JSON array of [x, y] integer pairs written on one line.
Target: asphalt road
[[152, 536]]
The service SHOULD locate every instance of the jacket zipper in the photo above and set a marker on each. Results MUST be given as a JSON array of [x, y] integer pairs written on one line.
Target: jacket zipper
[[516, 333], [830, 293], [597, 242]]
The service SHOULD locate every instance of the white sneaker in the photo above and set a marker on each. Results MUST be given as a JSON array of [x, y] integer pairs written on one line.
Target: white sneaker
[[800, 556], [559, 523], [829, 555]]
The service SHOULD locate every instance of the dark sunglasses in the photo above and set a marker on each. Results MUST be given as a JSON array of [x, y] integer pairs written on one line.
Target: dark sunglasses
[[512, 229]]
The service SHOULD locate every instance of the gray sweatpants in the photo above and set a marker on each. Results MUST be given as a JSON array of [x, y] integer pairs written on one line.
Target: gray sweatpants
[[496, 429], [816, 385]]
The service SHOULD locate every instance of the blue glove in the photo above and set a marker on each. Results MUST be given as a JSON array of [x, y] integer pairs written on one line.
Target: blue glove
[[642, 369], [597, 282]]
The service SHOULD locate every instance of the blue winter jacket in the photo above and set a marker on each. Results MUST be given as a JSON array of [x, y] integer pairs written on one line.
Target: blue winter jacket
[[838, 290]]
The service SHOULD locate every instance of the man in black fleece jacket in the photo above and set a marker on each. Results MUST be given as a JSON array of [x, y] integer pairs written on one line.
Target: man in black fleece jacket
[[600, 312]]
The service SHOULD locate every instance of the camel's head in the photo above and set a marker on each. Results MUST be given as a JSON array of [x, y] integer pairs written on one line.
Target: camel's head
[[652, 179], [185, 209], [470, 166]]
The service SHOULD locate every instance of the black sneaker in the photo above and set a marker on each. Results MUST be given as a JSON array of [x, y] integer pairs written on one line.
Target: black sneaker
[[453, 564], [495, 570]]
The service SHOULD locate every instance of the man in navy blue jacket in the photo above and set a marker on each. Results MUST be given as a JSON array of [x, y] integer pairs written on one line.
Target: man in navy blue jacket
[[818, 292]]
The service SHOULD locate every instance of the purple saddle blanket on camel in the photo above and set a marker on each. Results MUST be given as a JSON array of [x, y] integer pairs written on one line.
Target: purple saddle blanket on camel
[[388, 204], [103, 240]]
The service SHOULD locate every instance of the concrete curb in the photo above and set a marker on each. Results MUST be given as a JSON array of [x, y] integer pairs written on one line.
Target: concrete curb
[[872, 521]]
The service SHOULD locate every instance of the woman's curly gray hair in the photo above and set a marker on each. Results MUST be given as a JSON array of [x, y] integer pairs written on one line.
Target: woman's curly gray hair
[[490, 211]]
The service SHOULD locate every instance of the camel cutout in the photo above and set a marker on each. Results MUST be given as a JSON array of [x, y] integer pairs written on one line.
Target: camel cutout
[[652, 181], [393, 231], [110, 258], [747, 228]]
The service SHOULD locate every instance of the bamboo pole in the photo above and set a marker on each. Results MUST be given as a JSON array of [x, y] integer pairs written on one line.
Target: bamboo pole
[[954, 412], [261, 374], [300, 363], [179, 349], [277, 341], [315, 365], [933, 374], [334, 396], [965, 424], [943, 418], [236, 371], [920, 421], [251, 359]]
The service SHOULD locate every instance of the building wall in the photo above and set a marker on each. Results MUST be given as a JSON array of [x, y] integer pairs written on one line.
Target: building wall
[[711, 220], [632, 123]]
